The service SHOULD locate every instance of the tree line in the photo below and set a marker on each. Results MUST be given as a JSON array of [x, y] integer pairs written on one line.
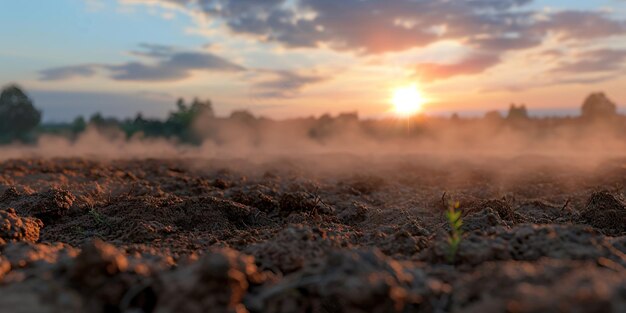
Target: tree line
[[20, 121], [192, 123]]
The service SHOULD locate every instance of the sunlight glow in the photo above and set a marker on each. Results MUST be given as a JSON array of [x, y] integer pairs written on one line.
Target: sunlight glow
[[407, 100]]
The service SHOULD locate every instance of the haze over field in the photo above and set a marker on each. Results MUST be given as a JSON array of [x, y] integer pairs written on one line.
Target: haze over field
[[288, 58]]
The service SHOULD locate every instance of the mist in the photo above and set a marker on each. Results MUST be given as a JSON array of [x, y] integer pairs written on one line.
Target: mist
[[465, 139]]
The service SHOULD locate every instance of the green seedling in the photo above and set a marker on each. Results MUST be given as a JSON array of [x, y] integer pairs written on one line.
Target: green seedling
[[98, 218], [453, 215]]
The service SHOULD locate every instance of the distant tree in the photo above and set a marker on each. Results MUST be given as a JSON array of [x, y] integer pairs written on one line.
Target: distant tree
[[243, 116], [183, 123], [202, 108], [494, 116], [79, 125], [139, 119], [348, 117], [18, 116], [598, 105], [109, 127], [147, 127], [322, 127], [187, 115], [325, 119], [517, 112], [96, 119]]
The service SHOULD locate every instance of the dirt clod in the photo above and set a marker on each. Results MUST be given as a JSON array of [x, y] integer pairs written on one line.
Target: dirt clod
[[607, 212], [545, 286], [218, 282], [109, 281], [47, 206], [290, 249], [15, 228], [302, 202], [362, 281]]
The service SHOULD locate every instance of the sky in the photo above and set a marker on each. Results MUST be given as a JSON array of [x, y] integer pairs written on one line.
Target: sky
[[288, 58]]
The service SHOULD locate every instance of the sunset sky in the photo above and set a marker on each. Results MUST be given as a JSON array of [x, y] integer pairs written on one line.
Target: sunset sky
[[285, 58]]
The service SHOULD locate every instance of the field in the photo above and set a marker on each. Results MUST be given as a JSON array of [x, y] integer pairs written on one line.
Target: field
[[323, 233]]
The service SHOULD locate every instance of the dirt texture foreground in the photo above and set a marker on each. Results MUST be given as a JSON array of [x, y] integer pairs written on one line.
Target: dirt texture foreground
[[353, 234]]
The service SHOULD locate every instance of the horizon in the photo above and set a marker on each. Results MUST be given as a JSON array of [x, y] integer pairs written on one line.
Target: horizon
[[573, 111], [286, 59], [569, 111]]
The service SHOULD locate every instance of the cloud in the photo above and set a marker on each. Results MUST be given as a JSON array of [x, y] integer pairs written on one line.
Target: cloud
[[553, 81], [68, 72], [167, 65], [488, 27], [368, 25], [552, 53], [599, 60], [587, 67], [154, 50], [282, 83], [475, 64], [581, 25], [382, 26], [176, 67], [584, 81]]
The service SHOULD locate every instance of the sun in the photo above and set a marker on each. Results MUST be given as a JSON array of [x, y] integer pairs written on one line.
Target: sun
[[407, 100]]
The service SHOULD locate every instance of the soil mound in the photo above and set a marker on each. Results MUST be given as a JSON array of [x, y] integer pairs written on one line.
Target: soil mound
[[302, 202], [47, 206], [502, 208], [293, 247], [607, 212], [362, 281], [363, 185], [37, 258], [541, 212], [260, 197], [218, 282], [353, 213], [487, 215], [210, 213], [10, 194], [484, 221], [109, 281], [15, 228], [5, 267], [400, 241], [528, 242], [545, 286]]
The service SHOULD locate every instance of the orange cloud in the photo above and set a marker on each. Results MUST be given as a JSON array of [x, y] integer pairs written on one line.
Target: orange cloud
[[474, 64]]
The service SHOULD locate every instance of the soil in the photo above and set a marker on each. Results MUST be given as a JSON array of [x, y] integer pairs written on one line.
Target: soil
[[329, 233]]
